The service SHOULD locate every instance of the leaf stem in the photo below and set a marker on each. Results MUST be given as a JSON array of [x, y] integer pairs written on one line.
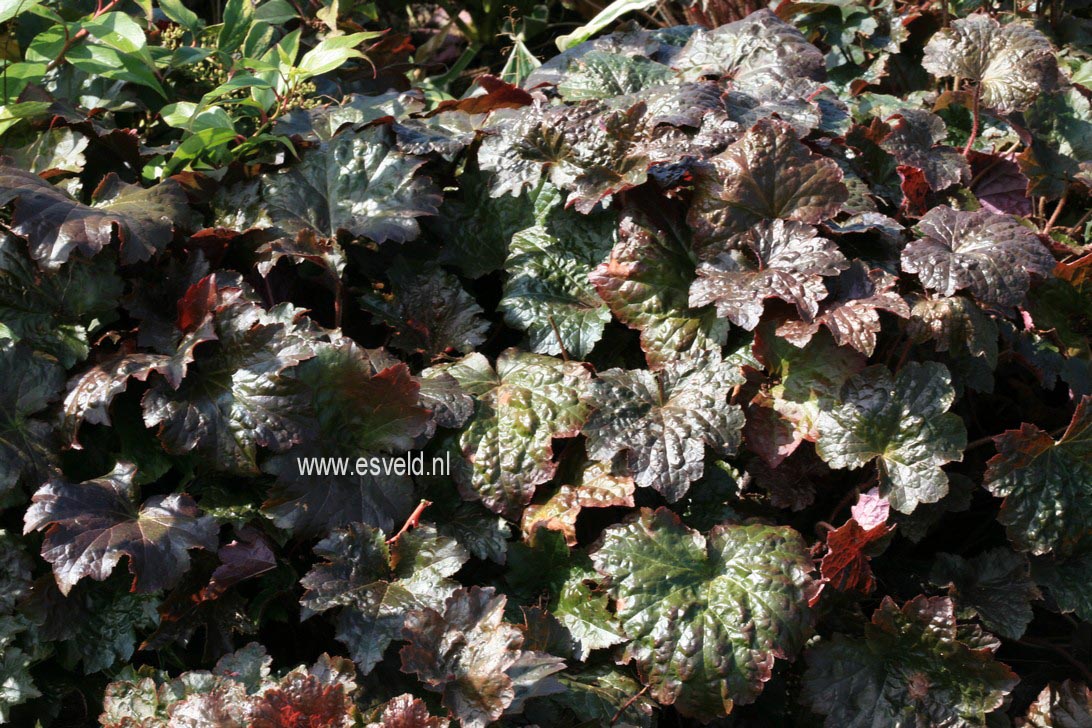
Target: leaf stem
[[975, 112], [80, 35], [630, 702], [411, 522], [1060, 652], [1057, 211]]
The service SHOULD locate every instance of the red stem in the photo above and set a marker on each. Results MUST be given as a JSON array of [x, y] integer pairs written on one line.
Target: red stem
[[974, 122]]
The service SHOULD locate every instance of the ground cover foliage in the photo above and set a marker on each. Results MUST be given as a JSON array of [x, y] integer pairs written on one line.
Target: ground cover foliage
[[757, 340]]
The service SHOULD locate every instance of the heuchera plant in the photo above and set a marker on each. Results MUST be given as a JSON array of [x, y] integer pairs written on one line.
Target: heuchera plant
[[758, 348]]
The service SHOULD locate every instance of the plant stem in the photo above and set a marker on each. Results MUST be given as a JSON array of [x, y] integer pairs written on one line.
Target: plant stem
[[974, 121], [80, 35], [1057, 211], [1060, 652]]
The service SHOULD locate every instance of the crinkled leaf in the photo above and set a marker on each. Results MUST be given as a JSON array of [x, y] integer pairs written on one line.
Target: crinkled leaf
[[316, 502], [585, 613], [589, 150], [910, 666], [995, 585], [239, 397], [470, 655], [757, 50], [596, 696], [95, 627], [522, 404], [32, 381], [56, 311], [708, 615], [429, 311], [845, 566], [601, 485], [91, 525], [477, 228], [991, 255], [1060, 153], [16, 682], [916, 139], [406, 711], [766, 175], [955, 324], [376, 585], [1065, 705], [804, 381], [356, 182], [601, 75], [1046, 484], [664, 420], [851, 310], [646, 282], [778, 259], [903, 423], [55, 224], [548, 291], [364, 400], [1011, 64]]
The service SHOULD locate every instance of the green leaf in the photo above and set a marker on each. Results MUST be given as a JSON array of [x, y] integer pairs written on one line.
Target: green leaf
[[779, 259], [331, 52], [356, 182], [1011, 64], [548, 291], [602, 19], [91, 525], [664, 420], [238, 15], [766, 175], [1060, 153], [177, 11], [477, 228], [991, 255], [601, 75], [523, 404], [805, 382], [11, 8], [55, 311], [995, 585], [27, 447], [16, 682], [1046, 484], [97, 627], [375, 586], [900, 421], [708, 615], [646, 282], [58, 150], [596, 696], [912, 664]]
